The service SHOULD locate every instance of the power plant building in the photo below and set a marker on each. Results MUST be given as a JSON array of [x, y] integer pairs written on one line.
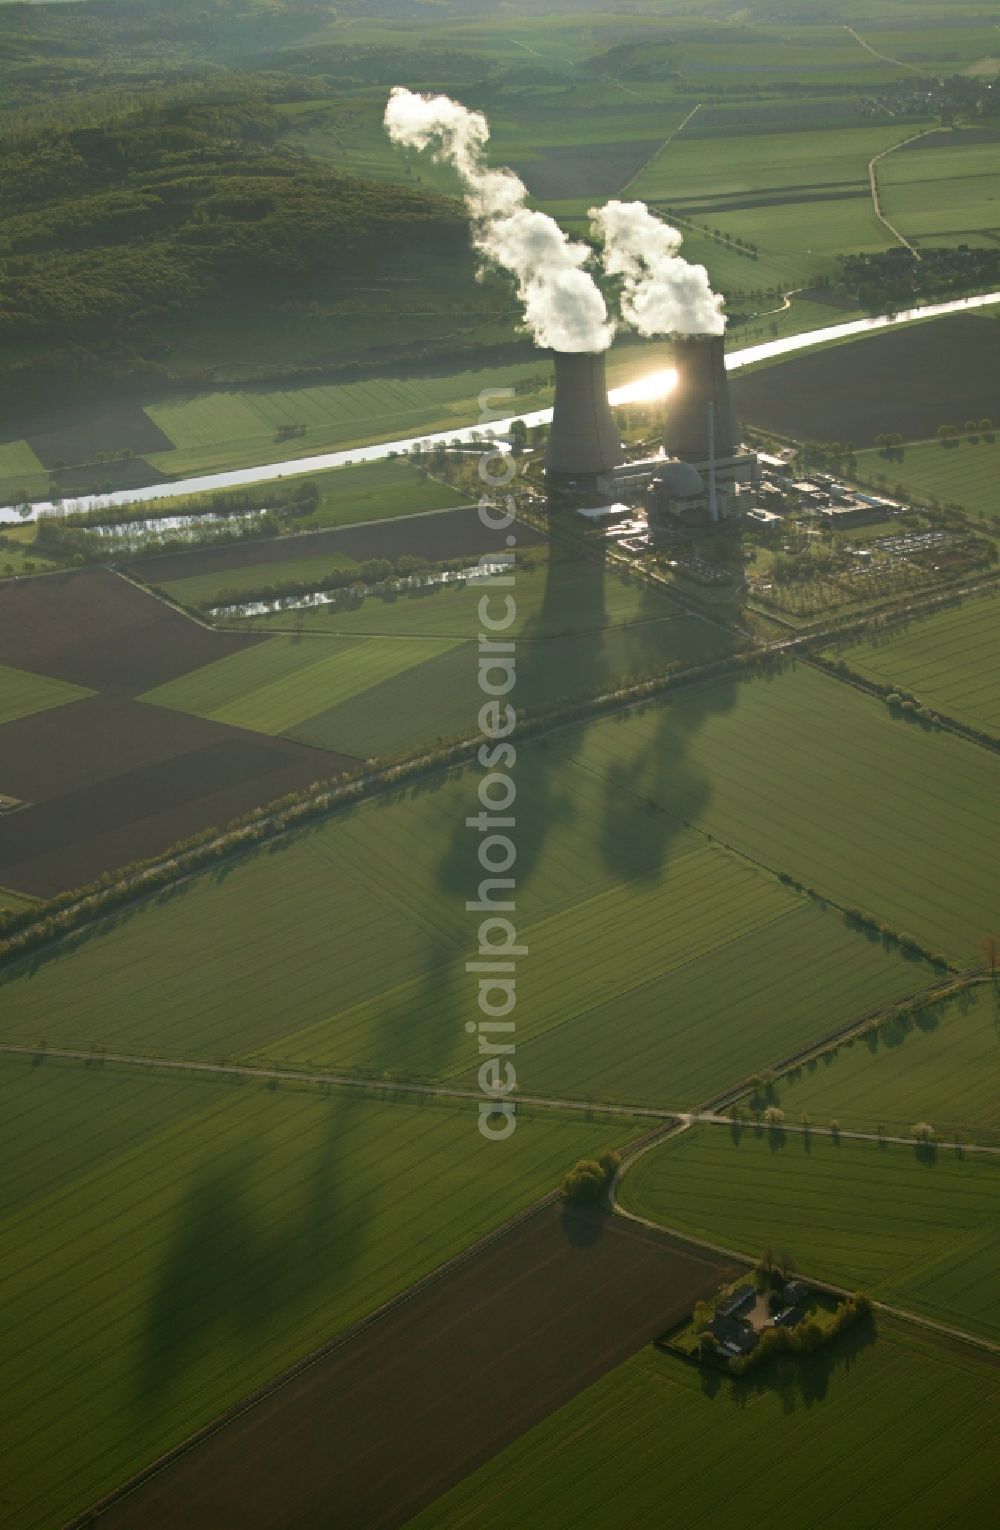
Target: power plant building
[[701, 426], [694, 479], [584, 442]]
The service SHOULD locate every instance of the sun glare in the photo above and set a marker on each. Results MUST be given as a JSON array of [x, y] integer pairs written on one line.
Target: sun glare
[[645, 389]]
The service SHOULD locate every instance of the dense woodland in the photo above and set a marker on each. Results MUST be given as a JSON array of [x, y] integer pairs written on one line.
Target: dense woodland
[[143, 175], [108, 230]]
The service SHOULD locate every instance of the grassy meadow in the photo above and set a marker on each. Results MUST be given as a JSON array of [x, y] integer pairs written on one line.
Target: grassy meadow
[[169, 1243], [893, 1433], [914, 1226], [950, 660], [939, 1066]]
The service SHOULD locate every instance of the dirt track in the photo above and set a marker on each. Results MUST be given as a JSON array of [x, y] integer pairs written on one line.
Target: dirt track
[[385, 1423]]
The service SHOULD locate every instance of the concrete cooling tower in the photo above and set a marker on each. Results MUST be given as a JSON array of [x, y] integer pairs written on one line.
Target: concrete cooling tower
[[584, 439], [701, 384]]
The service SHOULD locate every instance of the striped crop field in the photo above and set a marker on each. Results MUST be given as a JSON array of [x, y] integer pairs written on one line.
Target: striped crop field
[[346, 945], [279, 685], [938, 1065], [439, 695], [912, 1416], [951, 660], [170, 1243], [22, 693], [915, 1226], [812, 778], [964, 473], [237, 426]]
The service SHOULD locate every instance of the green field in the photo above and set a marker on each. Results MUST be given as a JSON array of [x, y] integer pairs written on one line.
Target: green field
[[286, 681], [17, 460], [236, 427], [912, 1226], [940, 1066], [895, 1434], [812, 778], [226, 428], [391, 672], [440, 697], [964, 473], [170, 1243], [205, 590], [372, 491], [562, 595], [950, 660], [14, 901], [346, 944], [22, 693], [802, 196], [944, 192]]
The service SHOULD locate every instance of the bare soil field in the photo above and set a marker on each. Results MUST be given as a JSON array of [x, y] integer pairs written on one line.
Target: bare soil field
[[113, 781], [438, 536], [909, 380], [93, 628], [382, 1424]]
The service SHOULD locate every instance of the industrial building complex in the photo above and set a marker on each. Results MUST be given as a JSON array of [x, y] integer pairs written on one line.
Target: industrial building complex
[[700, 474]]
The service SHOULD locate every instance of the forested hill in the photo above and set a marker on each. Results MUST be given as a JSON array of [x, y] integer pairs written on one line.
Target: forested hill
[[106, 231]]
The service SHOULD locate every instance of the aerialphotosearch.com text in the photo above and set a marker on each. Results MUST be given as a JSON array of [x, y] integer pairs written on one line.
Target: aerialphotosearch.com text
[[494, 967]]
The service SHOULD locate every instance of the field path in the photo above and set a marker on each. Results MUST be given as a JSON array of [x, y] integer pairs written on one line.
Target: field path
[[876, 201], [673, 1121], [664, 145], [899, 62]]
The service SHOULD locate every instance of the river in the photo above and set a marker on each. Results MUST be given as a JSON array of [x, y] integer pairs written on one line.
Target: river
[[651, 386]]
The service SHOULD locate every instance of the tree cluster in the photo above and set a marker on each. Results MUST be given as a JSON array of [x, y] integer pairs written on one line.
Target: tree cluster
[[803, 1338], [588, 1180]]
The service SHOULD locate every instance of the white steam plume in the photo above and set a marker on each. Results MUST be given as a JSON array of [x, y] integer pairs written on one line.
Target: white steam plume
[[563, 306], [662, 294]]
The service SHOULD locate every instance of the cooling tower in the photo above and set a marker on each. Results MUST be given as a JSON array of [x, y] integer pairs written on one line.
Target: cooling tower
[[701, 382], [584, 439]]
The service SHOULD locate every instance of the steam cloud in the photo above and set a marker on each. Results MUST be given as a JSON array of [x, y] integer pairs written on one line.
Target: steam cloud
[[662, 294], [563, 306]]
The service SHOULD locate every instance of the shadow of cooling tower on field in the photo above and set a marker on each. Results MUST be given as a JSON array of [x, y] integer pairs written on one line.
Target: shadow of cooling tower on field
[[230, 1268]]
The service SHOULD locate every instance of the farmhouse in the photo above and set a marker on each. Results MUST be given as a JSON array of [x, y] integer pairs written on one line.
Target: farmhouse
[[736, 1338]]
